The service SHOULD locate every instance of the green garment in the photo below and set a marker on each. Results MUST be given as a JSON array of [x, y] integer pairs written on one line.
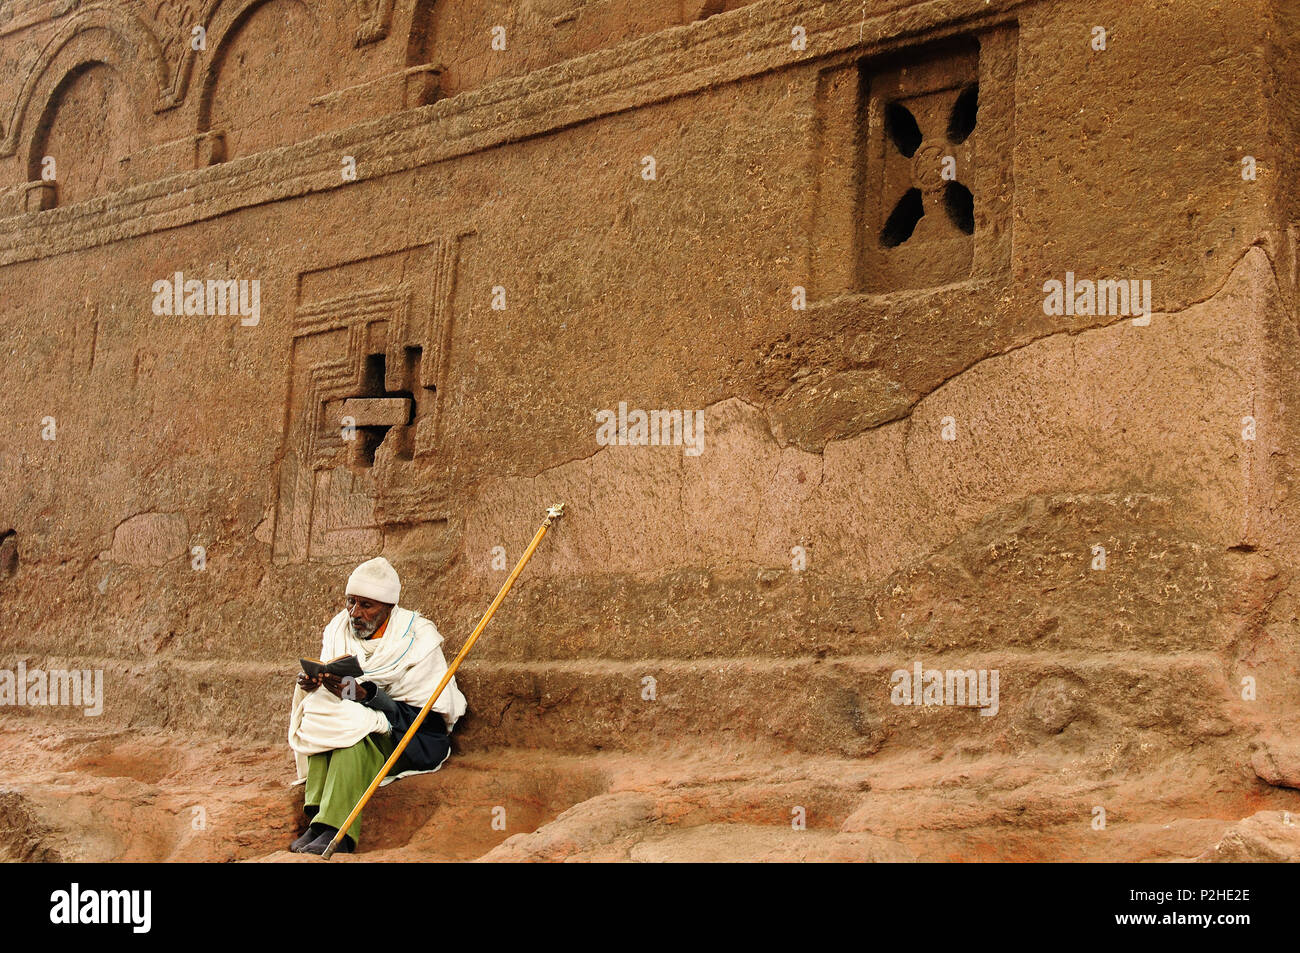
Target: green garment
[[337, 779]]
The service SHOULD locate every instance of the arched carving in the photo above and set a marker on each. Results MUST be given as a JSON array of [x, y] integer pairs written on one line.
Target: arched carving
[[96, 34], [92, 124], [249, 120], [220, 17]]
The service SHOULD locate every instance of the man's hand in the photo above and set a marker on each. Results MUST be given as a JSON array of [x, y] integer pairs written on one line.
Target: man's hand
[[348, 688], [307, 682]]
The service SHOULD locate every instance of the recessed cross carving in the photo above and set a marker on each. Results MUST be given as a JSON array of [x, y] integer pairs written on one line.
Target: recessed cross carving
[[364, 420], [918, 212], [371, 338], [930, 167]]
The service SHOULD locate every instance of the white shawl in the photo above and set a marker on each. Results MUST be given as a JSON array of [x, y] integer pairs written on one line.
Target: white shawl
[[406, 662]]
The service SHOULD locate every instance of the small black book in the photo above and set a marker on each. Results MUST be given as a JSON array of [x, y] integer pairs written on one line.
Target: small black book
[[344, 666]]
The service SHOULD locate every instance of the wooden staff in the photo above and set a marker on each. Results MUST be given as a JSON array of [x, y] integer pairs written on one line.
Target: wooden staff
[[552, 514]]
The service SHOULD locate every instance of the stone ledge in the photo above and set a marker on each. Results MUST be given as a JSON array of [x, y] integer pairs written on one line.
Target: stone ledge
[[841, 705]]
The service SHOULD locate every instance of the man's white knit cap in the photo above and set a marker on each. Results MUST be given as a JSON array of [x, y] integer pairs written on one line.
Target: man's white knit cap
[[375, 579]]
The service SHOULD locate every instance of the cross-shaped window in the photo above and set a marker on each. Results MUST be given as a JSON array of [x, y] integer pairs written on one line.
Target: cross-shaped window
[[919, 211], [363, 421]]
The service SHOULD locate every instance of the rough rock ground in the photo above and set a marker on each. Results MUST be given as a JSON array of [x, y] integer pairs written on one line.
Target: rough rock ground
[[95, 796]]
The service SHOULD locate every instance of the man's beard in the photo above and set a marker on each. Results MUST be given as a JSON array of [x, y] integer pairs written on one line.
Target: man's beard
[[364, 630]]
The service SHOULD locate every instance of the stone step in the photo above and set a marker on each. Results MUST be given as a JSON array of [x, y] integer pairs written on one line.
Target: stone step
[[853, 706]]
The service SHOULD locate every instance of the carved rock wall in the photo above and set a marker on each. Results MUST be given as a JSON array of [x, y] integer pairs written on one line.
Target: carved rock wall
[[501, 266]]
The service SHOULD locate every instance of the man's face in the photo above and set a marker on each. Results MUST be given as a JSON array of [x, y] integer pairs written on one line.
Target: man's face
[[367, 615]]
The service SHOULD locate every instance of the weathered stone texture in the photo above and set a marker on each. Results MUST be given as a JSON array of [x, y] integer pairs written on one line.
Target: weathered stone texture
[[404, 260]]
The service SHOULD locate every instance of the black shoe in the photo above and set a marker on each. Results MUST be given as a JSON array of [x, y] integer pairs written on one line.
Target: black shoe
[[312, 832], [346, 846]]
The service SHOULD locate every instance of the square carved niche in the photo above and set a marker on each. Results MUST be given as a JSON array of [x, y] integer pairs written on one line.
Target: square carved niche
[[915, 177], [367, 372]]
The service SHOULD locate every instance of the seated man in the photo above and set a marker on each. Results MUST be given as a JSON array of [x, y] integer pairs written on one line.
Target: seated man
[[343, 735]]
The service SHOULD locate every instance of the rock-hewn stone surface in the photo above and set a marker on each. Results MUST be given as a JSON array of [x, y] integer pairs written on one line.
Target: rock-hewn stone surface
[[288, 284]]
